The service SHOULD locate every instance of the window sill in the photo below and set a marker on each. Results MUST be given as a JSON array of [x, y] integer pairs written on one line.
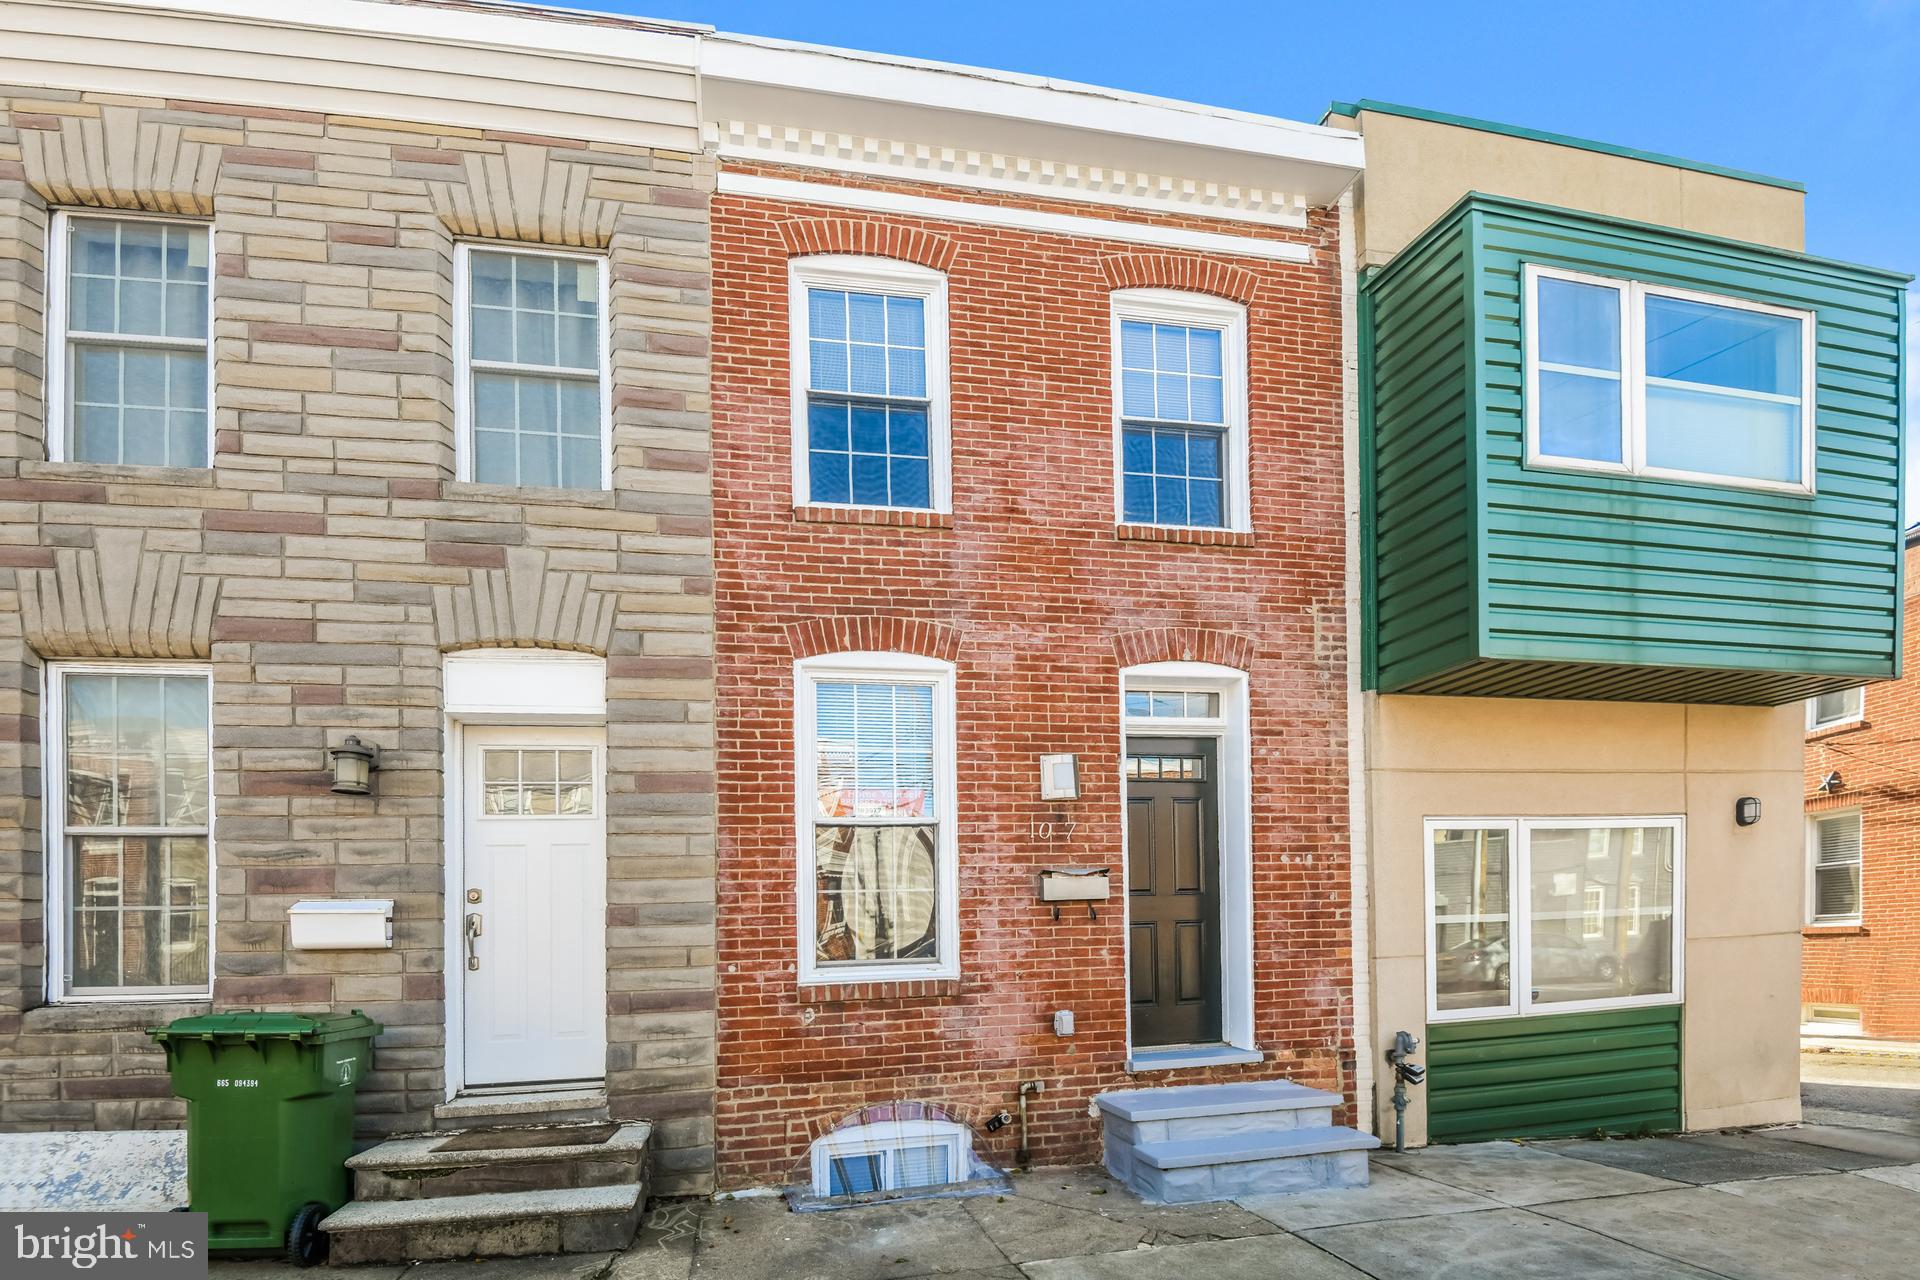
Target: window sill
[[1833, 730], [1207, 1055], [1841, 929], [916, 989], [116, 473], [110, 1015], [895, 517], [1189, 536], [548, 496]]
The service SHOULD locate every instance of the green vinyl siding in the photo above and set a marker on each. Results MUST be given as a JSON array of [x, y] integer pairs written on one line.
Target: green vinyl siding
[[1421, 586], [1557, 1075], [1575, 584]]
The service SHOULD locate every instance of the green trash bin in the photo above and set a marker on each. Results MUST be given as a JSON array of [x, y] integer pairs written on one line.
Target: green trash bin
[[269, 1121]]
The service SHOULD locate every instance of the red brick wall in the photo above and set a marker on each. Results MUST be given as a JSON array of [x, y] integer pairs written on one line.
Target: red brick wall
[[1877, 965], [1036, 599]]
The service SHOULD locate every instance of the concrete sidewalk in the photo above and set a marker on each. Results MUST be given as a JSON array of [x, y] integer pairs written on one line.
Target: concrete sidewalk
[[1836, 1202]]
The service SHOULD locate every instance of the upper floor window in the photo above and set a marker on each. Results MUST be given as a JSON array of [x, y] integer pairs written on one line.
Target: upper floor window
[[1646, 380], [129, 907], [1180, 409], [870, 412], [1831, 709], [531, 385], [1833, 868], [877, 874], [127, 369]]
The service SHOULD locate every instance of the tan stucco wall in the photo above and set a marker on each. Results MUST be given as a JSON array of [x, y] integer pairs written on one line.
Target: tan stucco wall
[[1417, 169], [1505, 757]]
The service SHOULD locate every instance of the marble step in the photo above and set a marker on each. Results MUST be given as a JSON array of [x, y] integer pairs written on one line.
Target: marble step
[[512, 1224], [1255, 1162], [522, 1158], [1133, 1116]]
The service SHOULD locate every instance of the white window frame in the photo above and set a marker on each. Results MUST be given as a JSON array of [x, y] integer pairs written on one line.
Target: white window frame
[[1633, 380], [465, 366], [880, 668], [1520, 1002], [870, 275], [59, 379], [1855, 716], [1813, 862], [885, 1138], [58, 893], [1175, 306]]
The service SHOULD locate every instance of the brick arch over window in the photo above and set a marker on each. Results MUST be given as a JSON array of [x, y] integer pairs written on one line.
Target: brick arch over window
[[1184, 644], [813, 637], [1178, 271], [868, 239]]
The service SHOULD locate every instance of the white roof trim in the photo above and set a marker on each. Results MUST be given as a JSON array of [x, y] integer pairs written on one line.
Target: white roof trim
[[994, 171], [657, 43], [981, 90], [747, 184]]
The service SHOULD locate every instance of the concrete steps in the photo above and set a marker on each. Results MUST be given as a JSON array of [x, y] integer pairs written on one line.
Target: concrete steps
[[498, 1192], [1217, 1141]]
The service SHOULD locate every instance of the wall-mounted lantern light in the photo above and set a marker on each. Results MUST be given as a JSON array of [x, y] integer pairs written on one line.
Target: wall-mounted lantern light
[[1746, 811], [1060, 777], [353, 764]]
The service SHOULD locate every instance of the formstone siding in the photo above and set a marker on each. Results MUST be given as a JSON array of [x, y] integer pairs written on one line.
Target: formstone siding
[[1040, 601], [328, 560], [1875, 965]]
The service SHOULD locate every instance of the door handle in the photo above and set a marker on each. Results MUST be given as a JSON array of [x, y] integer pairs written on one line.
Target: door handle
[[473, 934]]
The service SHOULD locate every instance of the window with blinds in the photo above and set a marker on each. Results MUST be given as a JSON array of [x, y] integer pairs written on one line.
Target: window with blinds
[[1830, 709], [1834, 848]]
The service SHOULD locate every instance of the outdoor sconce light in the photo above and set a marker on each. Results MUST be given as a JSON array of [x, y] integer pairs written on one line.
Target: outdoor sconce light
[[1060, 777], [1746, 811], [353, 764]]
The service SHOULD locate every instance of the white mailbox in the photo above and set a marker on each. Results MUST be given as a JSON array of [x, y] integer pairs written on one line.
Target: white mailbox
[[1073, 884], [364, 924]]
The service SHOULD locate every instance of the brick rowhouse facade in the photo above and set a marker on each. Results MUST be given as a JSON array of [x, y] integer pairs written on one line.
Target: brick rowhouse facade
[[1040, 601], [1875, 965], [327, 560]]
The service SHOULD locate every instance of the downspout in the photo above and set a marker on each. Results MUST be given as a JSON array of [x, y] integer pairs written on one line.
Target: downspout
[[1357, 806]]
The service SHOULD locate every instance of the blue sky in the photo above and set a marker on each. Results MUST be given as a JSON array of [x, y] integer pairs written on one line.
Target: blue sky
[[1826, 92]]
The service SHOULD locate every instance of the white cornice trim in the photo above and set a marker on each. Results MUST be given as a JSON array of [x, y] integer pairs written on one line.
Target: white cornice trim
[[990, 171], [751, 184]]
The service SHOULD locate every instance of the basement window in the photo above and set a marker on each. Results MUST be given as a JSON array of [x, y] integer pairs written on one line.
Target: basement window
[[893, 1155]]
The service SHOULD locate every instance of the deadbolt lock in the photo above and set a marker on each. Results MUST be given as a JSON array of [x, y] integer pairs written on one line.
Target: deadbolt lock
[[473, 895]]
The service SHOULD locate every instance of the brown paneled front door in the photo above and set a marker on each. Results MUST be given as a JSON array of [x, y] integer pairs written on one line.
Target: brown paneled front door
[[1173, 890]]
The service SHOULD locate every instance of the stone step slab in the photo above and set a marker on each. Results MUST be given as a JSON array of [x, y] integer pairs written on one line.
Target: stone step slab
[[1134, 1116], [514, 1224], [524, 1158]]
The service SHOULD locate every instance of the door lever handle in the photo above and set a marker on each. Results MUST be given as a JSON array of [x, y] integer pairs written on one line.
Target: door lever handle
[[472, 932]]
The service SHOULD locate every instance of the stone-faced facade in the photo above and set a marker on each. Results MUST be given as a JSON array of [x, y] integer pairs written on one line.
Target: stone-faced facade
[[310, 566]]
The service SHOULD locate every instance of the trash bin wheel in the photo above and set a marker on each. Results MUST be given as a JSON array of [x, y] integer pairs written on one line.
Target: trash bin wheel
[[306, 1244]]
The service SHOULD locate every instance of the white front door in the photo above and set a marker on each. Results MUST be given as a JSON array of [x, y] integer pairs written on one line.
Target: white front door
[[534, 906]]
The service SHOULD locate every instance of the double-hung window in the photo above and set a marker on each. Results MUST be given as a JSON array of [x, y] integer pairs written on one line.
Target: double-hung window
[[1830, 710], [127, 361], [877, 876], [1833, 868], [130, 814], [870, 394], [1552, 915], [1642, 379], [1180, 409], [532, 383]]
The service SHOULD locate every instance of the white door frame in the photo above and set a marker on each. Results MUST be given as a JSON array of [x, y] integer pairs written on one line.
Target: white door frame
[[538, 687], [1234, 758]]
